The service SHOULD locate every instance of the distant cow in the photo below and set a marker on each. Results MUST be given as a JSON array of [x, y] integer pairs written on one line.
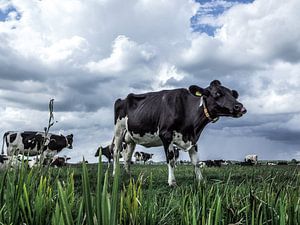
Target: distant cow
[[107, 152], [271, 164], [59, 161], [32, 143], [252, 158], [217, 163], [142, 156], [168, 117], [282, 163], [246, 163]]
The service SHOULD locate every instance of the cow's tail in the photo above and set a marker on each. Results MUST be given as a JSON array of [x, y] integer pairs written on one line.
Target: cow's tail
[[4, 139]]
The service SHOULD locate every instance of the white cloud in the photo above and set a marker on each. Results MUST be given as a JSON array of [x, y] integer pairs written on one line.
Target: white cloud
[[126, 55], [85, 54]]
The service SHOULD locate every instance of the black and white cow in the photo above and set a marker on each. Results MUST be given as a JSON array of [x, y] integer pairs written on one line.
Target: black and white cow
[[107, 152], [252, 158], [170, 117], [31, 143], [142, 156], [59, 161]]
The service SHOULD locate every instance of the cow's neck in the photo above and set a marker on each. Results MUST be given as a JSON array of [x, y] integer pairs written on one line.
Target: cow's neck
[[201, 120]]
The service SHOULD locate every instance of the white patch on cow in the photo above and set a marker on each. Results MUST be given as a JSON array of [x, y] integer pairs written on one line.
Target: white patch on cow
[[148, 139], [178, 140]]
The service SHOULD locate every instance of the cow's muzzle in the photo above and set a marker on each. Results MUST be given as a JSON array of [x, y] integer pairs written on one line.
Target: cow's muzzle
[[239, 110], [70, 147]]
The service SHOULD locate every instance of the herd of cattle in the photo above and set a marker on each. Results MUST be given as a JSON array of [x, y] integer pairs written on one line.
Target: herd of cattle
[[173, 119]]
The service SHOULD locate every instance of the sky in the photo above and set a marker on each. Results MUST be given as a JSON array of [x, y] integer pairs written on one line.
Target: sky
[[86, 54]]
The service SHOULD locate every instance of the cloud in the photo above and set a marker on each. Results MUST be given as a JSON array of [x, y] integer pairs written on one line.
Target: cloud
[[87, 54]]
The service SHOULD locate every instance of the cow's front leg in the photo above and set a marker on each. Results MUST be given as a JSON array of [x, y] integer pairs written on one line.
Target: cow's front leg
[[127, 156], [169, 151], [195, 160]]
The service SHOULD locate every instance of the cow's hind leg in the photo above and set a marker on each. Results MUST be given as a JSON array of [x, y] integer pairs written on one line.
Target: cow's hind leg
[[195, 160], [127, 156]]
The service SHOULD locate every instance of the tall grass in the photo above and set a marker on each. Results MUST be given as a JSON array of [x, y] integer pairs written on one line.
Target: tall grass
[[89, 195]]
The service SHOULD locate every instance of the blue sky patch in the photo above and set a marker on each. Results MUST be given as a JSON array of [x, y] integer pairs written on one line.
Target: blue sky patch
[[4, 13], [212, 8]]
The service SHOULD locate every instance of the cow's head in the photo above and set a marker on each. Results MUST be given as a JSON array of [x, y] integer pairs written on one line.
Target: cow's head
[[98, 151], [219, 100], [70, 141]]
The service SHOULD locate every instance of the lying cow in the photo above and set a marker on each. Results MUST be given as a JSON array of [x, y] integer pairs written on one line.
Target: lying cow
[[252, 158], [246, 163], [32, 143], [170, 117], [211, 163], [142, 156], [59, 161], [15, 161]]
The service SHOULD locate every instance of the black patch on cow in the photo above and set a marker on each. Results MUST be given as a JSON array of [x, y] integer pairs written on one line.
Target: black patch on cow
[[12, 138]]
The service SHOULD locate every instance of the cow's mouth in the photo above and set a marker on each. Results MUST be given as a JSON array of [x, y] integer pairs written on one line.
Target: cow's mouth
[[240, 113], [70, 147]]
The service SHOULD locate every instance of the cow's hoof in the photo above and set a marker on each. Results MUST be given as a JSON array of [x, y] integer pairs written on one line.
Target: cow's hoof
[[173, 184]]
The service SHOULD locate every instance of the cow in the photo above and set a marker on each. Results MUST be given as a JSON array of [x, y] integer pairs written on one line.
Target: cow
[[59, 161], [211, 163], [252, 158], [271, 164], [246, 163], [107, 152], [168, 117], [32, 143], [282, 163], [142, 156]]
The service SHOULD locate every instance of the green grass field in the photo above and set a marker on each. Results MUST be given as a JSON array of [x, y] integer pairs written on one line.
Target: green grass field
[[89, 195]]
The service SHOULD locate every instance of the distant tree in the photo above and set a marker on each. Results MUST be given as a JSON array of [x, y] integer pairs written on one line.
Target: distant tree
[[294, 161]]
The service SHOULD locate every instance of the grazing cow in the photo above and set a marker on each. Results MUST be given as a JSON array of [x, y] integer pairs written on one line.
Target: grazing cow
[[107, 152], [142, 156], [31, 143], [58, 161], [252, 158], [170, 117]]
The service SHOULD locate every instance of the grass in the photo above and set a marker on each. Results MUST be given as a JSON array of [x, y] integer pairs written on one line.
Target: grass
[[88, 194]]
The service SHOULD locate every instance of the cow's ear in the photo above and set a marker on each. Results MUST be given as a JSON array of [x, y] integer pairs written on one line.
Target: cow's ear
[[235, 94], [198, 91]]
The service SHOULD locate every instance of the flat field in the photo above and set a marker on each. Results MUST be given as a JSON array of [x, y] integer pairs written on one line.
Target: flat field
[[88, 194]]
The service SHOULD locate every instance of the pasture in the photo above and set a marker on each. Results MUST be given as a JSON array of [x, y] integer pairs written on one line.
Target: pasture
[[87, 194]]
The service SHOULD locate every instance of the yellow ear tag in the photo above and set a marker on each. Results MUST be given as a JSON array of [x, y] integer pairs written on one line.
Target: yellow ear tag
[[198, 93]]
